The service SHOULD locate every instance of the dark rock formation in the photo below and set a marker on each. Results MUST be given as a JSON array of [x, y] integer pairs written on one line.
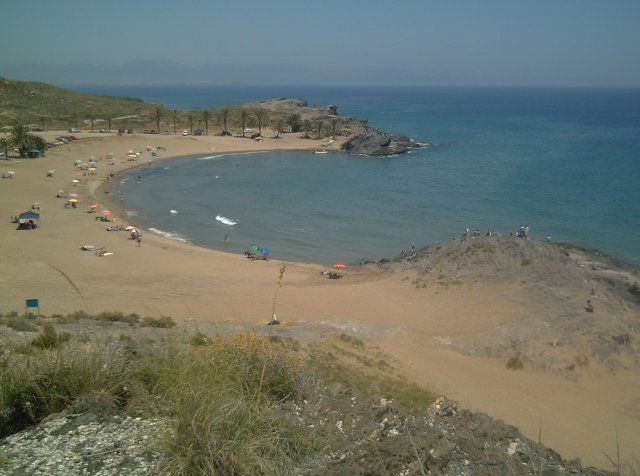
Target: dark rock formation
[[375, 143]]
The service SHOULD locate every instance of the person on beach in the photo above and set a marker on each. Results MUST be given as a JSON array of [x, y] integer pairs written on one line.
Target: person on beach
[[226, 238], [139, 239], [526, 231], [589, 307]]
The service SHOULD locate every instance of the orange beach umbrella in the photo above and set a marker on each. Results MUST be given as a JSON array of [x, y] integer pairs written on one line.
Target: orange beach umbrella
[[93, 205], [106, 213], [339, 265]]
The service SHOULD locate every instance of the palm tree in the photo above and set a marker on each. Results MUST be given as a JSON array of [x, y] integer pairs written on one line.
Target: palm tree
[[5, 145], [75, 117], [206, 116], [21, 139], [159, 113], [243, 119], [109, 123], [261, 116], [279, 124], [91, 119], [307, 125], [224, 116], [319, 129], [191, 117], [174, 118], [334, 128], [294, 122]]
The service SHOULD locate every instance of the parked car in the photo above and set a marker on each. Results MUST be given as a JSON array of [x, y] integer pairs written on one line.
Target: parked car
[[166, 133], [120, 131], [226, 133], [198, 132], [153, 131], [74, 129], [185, 132], [129, 131], [103, 131]]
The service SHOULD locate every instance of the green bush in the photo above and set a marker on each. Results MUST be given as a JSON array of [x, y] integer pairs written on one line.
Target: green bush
[[113, 316], [32, 387], [199, 339], [514, 363], [163, 322], [49, 338], [20, 324]]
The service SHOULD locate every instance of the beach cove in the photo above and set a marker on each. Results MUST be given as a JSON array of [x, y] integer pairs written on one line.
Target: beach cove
[[195, 284]]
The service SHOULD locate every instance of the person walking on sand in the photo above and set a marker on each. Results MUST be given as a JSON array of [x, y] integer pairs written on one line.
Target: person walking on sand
[[139, 239]]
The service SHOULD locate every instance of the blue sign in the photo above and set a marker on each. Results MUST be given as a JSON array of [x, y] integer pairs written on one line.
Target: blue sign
[[32, 303]]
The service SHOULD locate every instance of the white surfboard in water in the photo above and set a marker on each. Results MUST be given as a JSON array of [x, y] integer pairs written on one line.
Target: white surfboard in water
[[225, 220]]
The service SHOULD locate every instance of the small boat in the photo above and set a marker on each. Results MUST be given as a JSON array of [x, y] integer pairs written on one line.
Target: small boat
[[320, 152]]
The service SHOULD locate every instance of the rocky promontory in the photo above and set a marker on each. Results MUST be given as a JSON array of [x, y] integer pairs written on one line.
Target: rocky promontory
[[362, 138]]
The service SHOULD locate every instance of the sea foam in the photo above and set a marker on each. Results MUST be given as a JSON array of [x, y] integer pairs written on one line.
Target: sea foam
[[169, 235]]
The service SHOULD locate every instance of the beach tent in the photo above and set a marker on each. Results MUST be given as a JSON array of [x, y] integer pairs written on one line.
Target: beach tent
[[29, 216], [23, 218]]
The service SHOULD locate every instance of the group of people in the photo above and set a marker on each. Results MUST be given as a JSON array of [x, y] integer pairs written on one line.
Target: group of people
[[523, 232]]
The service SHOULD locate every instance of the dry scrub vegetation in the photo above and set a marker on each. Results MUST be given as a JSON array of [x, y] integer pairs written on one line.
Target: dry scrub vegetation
[[223, 395]]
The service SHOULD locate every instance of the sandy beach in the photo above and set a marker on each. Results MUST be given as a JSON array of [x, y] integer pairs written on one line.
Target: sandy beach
[[578, 417]]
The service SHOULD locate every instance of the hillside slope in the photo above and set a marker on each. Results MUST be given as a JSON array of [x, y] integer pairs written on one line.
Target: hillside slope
[[37, 102]]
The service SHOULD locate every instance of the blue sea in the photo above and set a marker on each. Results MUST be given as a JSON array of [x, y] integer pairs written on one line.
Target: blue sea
[[566, 162]]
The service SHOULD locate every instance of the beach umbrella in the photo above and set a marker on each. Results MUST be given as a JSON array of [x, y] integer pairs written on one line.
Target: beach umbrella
[[129, 228], [255, 248], [76, 181], [106, 213], [73, 200], [73, 195], [265, 251], [93, 205], [339, 265]]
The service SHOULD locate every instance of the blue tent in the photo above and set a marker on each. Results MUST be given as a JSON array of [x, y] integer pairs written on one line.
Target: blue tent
[[29, 216]]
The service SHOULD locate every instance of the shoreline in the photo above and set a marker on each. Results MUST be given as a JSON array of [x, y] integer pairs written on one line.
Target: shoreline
[[106, 199]]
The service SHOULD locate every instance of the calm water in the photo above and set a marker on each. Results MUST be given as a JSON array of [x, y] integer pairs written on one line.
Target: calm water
[[566, 162]]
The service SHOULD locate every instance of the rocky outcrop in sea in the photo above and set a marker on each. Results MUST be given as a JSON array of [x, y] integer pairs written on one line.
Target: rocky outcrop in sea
[[374, 143]]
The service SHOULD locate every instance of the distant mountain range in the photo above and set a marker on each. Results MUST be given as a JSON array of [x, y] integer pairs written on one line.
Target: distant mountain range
[[159, 73]]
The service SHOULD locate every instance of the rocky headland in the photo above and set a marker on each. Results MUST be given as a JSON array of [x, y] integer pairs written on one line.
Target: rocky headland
[[362, 138]]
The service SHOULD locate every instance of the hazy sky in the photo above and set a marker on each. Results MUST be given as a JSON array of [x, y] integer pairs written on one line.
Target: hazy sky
[[488, 42]]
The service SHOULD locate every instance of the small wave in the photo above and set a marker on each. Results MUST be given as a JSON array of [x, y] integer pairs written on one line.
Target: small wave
[[173, 212], [225, 220], [131, 213], [169, 235], [217, 156]]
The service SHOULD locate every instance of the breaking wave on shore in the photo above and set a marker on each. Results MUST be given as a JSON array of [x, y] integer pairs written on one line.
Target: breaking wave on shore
[[169, 235]]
